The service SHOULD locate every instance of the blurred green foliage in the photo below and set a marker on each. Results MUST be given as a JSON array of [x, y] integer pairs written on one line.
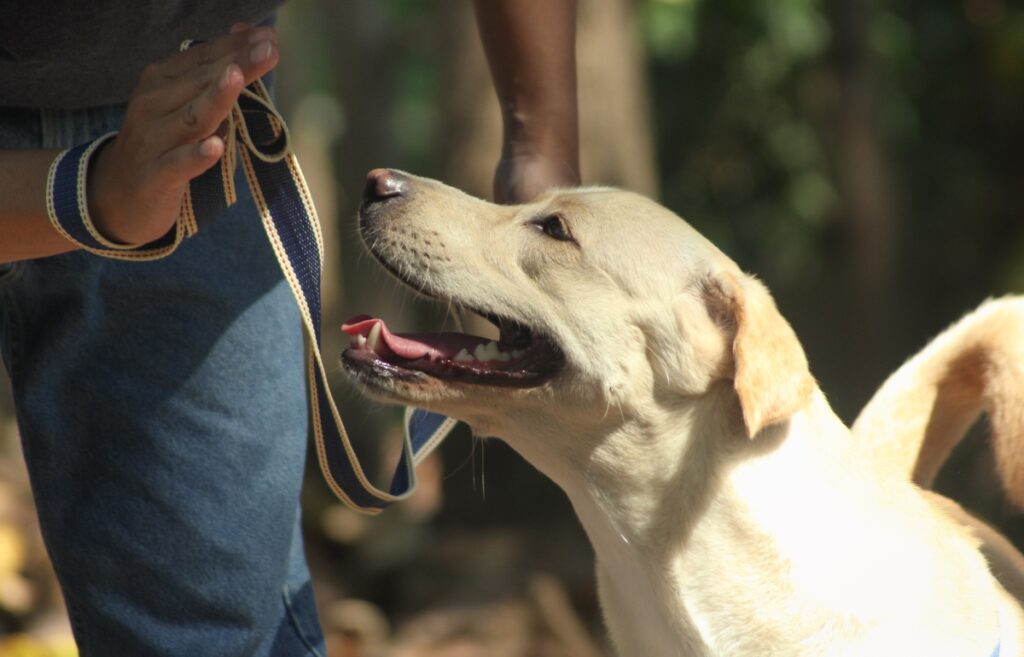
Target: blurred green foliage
[[744, 97], [738, 151]]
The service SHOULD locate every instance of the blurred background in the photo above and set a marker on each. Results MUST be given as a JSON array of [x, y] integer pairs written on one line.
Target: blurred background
[[865, 159]]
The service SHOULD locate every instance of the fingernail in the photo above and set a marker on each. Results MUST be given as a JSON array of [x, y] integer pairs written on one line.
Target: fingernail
[[228, 77], [261, 52], [210, 147], [262, 34]]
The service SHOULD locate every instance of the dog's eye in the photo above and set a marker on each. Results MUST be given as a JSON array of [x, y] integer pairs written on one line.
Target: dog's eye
[[554, 226]]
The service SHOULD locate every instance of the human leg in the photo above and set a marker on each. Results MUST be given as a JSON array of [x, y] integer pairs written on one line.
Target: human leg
[[162, 408]]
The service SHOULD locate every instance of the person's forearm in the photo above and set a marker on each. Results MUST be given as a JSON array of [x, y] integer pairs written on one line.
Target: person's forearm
[[25, 229], [168, 137], [531, 49]]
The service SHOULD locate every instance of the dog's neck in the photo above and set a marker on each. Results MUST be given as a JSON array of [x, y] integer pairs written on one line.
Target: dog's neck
[[662, 502]]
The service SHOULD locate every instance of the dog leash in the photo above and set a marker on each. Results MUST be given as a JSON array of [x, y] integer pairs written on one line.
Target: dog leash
[[258, 137]]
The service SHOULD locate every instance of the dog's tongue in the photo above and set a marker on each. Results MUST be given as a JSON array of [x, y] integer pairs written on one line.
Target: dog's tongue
[[410, 346]]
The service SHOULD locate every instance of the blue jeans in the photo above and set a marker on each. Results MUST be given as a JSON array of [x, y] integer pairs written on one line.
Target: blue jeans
[[163, 418]]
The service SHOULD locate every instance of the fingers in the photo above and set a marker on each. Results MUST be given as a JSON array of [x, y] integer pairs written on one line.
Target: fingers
[[200, 116], [238, 42], [184, 163], [168, 85], [190, 107]]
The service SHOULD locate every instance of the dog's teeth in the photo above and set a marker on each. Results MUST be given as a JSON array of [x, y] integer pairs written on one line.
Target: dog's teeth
[[360, 341], [516, 353], [374, 337], [463, 355], [489, 351], [504, 357]]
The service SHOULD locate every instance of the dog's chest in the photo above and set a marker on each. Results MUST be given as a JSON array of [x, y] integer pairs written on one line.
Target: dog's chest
[[644, 612]]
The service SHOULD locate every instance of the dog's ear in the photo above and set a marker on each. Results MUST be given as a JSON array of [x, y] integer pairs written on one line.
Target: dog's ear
[[771, 375]]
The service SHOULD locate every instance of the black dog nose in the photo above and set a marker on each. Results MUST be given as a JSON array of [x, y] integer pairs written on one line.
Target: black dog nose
[[383, 184]]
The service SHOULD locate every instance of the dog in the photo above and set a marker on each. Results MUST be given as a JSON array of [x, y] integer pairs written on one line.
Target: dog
[[730, 510]]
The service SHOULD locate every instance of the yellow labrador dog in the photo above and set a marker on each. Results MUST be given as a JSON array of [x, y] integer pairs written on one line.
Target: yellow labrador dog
[[732, 513]]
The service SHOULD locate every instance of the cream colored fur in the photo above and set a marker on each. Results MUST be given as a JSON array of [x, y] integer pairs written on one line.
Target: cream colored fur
[[731, 512], [924, 408]]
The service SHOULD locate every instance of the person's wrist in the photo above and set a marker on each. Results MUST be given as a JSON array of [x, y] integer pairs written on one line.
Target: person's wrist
[[555, 144], [67, 206], [522, 175], [548, 133], [98, 185], [557, 160]]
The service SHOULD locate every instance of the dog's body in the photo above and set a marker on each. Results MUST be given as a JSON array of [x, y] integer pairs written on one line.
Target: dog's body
[[731, 512]]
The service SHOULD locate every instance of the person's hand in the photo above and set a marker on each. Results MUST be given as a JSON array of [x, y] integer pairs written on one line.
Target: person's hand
[[169, 136], [520, 177]]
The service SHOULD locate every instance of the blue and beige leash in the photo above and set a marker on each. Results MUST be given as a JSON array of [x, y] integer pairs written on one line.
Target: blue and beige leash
[[257, 138]]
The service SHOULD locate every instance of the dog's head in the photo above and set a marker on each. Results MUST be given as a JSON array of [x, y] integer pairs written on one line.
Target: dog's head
[[604, 300]]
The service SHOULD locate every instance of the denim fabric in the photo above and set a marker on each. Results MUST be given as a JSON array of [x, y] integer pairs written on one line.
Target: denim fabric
[[163, 416]]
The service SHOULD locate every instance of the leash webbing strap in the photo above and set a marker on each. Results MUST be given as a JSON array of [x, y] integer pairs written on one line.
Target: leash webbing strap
[[68, 209], [257, 137]]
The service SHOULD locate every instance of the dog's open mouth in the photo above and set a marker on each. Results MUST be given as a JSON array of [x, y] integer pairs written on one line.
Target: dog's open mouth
[[520, 357]]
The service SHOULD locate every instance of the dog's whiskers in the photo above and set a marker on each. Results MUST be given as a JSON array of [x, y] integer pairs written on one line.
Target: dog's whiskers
[[465, 461], [457, 318], [483, 475], [483, 471]]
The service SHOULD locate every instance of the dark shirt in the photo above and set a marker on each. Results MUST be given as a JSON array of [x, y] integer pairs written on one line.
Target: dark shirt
[[68, 54]]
